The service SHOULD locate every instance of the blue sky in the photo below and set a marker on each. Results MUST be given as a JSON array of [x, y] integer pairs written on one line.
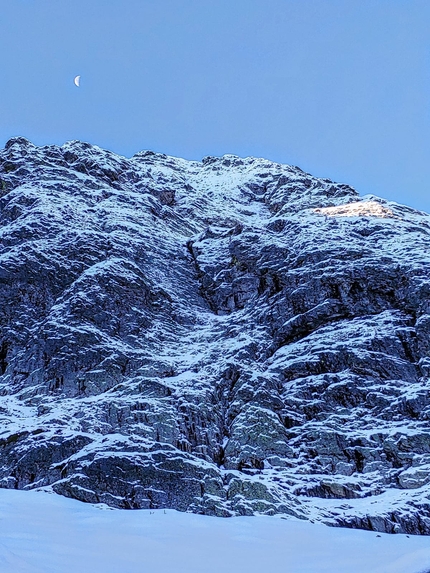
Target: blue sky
[[339, 87]]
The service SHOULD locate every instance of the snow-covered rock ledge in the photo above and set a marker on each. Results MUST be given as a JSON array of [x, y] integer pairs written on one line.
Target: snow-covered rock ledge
[[356, 209]]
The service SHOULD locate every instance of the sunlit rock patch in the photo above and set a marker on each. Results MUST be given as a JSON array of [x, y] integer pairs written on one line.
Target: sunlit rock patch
[[357, 209]]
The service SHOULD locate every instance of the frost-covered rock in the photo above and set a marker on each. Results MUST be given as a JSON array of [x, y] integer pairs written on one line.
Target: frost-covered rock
[[231, 336]]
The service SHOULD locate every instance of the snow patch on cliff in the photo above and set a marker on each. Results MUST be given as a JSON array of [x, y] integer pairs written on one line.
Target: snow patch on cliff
[[357, 209]]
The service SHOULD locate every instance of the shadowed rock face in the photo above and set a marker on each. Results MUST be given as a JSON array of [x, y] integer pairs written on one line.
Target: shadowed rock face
[[223, 337]]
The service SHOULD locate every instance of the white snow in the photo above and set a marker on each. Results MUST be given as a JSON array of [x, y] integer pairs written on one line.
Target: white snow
[[46, 533]]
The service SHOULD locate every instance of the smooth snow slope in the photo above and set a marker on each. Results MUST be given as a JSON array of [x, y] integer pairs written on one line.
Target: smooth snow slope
[[45, 533]]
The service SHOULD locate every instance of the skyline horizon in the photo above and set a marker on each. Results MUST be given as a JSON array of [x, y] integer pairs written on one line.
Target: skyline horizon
[[362, 195]]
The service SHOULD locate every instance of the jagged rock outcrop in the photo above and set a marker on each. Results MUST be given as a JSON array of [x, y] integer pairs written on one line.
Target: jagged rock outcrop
[[230, 336]]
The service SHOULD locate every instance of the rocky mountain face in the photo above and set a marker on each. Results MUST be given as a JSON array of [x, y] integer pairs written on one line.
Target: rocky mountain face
[[231, 336]]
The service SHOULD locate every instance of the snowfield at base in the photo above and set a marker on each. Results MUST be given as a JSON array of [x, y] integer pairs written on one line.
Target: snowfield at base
[[46, 533]]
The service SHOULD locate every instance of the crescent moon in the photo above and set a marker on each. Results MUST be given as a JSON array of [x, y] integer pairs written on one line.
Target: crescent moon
[[77, 80]]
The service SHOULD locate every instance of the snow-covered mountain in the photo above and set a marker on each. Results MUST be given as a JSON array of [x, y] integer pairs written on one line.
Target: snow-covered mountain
[[231, 336]]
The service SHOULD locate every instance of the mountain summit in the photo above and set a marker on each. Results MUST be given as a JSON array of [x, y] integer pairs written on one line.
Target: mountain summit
[[231, 336]]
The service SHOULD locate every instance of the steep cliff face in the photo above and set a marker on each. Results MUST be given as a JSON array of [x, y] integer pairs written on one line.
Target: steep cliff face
[[230, 336]]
